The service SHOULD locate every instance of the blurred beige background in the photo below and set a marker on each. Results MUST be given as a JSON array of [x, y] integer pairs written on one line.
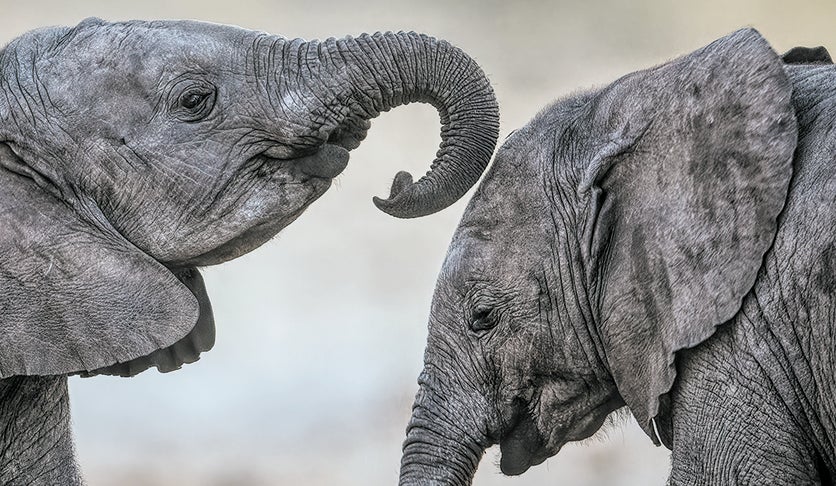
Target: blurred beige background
[[321, 331]]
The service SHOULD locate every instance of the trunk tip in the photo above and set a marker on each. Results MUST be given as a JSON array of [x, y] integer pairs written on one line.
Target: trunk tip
[[401, 202], [408, 199]]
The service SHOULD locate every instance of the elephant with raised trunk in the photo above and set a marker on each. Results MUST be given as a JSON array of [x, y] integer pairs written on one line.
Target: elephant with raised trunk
[[133, 152], [665, 243]]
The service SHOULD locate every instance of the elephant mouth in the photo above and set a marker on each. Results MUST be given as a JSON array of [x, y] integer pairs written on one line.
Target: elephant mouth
[[324, 161], [522, 447]]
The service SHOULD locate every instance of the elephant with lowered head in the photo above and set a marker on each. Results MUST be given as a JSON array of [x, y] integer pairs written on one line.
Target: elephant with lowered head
[[665, 243], [131, 153]]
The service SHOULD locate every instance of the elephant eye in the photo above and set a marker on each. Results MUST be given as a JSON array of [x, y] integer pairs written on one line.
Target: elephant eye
[[194, 103], [190, 101], [483, 319]]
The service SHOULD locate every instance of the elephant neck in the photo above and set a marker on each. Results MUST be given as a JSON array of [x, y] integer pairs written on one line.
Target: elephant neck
[[35, 439]]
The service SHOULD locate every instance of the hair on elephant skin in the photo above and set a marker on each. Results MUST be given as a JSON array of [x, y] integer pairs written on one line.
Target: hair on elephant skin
[[131, 153], [664, 243]]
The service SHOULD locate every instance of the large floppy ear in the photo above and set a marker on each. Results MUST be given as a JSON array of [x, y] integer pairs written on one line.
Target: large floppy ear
[[186, 350], [76, 297], [685, 197]]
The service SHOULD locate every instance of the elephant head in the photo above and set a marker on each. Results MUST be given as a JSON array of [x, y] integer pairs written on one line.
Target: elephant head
[[617, 228], [131, 153]]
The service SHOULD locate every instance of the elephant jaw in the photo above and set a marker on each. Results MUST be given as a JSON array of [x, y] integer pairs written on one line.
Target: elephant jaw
[[314, 169]]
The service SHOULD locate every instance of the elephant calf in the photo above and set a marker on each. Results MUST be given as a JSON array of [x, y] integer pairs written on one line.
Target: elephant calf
[[665, 243], [131, 153]]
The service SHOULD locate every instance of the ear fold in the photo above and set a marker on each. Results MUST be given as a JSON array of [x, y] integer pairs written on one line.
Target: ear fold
[[74, 295], [686, 208]]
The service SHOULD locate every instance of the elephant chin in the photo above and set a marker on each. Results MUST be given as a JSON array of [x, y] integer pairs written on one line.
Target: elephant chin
[[522, 447]]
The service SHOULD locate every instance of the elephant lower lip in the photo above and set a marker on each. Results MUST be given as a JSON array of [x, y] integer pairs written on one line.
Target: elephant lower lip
[[325, 162], [521, 448], [517, 464], [328, 162]]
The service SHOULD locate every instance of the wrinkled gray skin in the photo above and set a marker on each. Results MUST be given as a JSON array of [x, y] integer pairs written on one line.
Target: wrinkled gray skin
[[664, 243], [130, 153]]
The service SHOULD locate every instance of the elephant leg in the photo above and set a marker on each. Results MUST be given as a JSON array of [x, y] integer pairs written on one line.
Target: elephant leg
[[35, 439]]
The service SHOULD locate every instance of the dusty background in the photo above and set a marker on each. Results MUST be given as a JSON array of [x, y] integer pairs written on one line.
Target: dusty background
[[321, 331]]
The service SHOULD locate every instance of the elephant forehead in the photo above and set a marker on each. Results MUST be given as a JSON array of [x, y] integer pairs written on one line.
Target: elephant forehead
[[146, 48], [507, 253], [161, 36], [511, 202]]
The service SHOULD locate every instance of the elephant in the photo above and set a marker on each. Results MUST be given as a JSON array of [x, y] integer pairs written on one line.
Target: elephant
[[132, 153], [664, 243]]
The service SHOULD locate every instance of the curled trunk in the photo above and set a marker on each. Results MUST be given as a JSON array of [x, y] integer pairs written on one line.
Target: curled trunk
[[370, 74]]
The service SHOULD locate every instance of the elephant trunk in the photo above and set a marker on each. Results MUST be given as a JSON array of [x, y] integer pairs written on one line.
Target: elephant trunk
[[371, 74], [441, 448]]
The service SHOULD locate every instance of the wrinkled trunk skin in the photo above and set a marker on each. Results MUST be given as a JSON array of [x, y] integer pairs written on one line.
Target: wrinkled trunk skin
[[352, 80], [35, 439], [443, 444]]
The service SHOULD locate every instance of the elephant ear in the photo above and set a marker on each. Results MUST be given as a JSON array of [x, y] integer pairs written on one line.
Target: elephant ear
[[76, 297], [807, 55], [685, 198], [186, 350]]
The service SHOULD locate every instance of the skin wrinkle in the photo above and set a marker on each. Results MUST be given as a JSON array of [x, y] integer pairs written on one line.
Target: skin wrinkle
[[38, 84], [454, 430], [562, 208], [46, 454], [380, 66], [331, 110], [360, 96], [293, 62], [25, 94], [790, 373], [408, 68], [13, 101], [773, 388], [576, 289], [276, 48], [548, 315], [374, 95], [737, 443]]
